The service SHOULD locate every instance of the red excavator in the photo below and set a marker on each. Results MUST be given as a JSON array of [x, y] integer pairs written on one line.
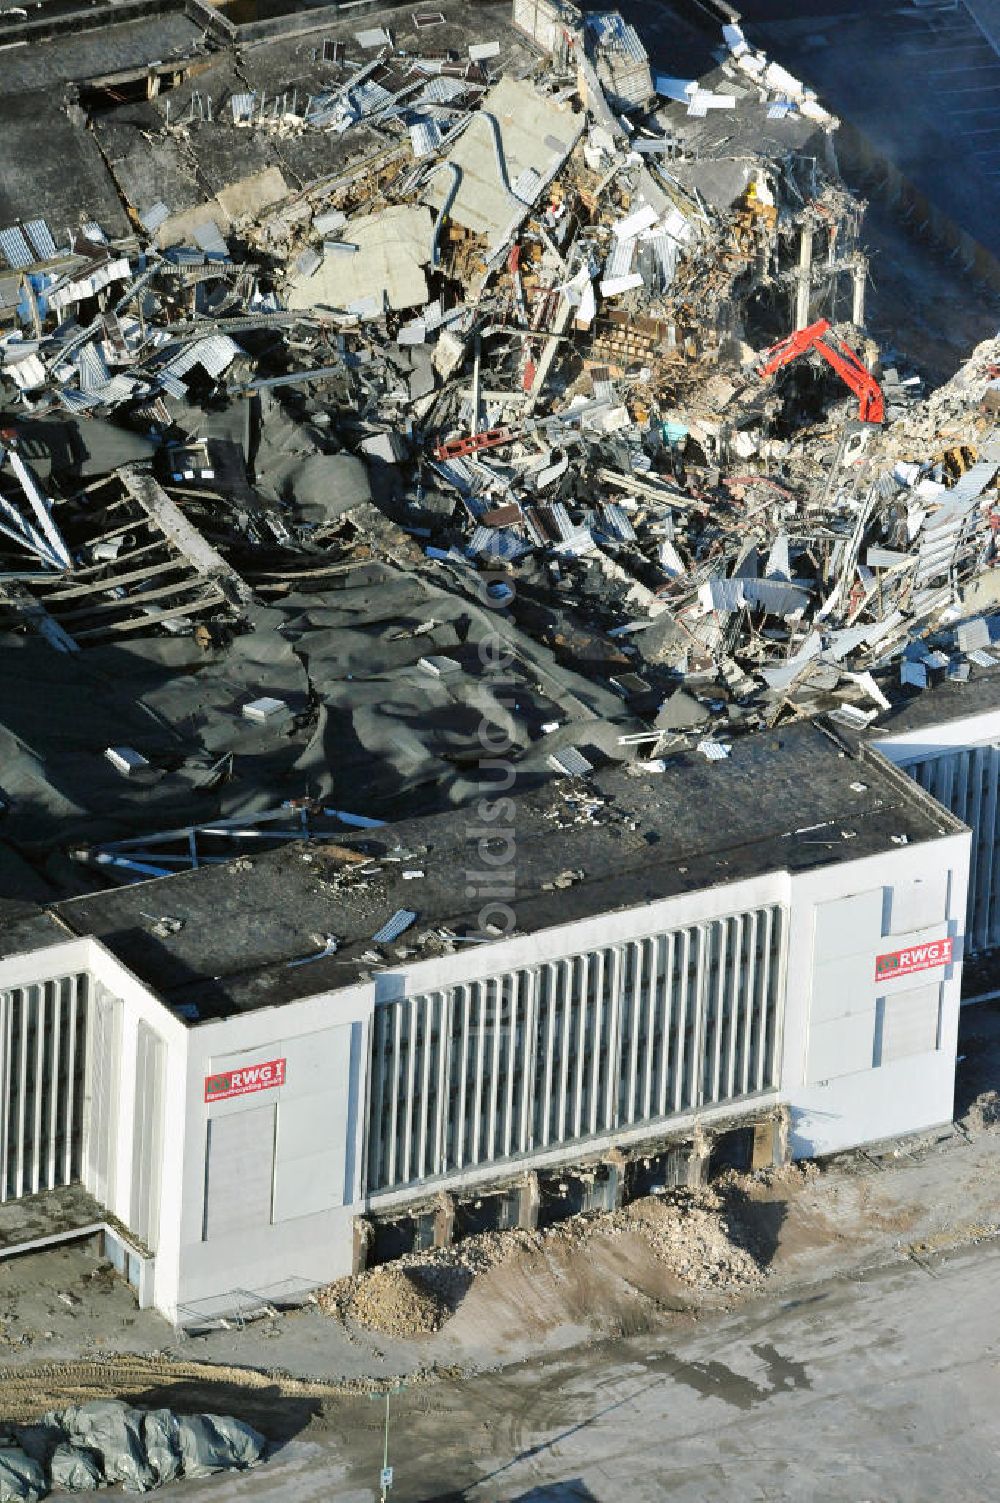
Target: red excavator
[[821, 338]]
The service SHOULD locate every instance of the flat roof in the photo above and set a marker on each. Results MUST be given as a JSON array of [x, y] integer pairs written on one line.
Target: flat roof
[[793, 799], [940, 702]]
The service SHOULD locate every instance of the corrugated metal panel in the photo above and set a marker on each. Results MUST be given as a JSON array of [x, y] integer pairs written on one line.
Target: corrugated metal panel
[[966, 782], [527, 185], [570, 761], [620, 258], [171, 384], [425, 138], [208, 237], [490, 542], [394, 927], [119, 389], [665, 250], [92, 367], [15, 248], [616, 521], [214, 354], [369, 97], [75, 401], [441, 91], [153, 217], [40, 236], [559, 516]]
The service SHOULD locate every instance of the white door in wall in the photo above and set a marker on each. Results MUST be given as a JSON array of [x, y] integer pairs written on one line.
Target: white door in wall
[[239, 1172]]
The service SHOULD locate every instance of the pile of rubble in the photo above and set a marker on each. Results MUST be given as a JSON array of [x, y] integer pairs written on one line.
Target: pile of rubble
[[523, 360], [392, 1300], [696, 1235], [690, 1232]]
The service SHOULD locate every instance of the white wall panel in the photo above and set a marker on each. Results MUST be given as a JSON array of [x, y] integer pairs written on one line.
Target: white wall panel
[[919, 904], [841, 1047], [42, 1053], [573, 1048], [907, 1023], [312, 1126], [239, 1172], [847, 926]]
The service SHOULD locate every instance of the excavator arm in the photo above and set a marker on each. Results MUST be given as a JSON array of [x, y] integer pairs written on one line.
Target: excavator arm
[[851, 370]]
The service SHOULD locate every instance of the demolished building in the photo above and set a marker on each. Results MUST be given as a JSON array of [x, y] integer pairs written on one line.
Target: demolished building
[[423, 418]]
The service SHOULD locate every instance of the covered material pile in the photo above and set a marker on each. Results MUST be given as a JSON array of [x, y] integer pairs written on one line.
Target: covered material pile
[[107, 1443]]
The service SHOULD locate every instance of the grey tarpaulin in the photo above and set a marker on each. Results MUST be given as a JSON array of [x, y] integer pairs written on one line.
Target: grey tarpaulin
[[213, 1443], [159, 1431], [74, 1470], [21, 1479], [90, 1446], [112, 1431]]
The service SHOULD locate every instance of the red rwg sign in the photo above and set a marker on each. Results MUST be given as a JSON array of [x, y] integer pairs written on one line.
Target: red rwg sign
[[917, 958], [247, 1079]]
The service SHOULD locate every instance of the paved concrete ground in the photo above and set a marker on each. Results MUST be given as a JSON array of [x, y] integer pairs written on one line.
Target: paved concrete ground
[[883, 1388]]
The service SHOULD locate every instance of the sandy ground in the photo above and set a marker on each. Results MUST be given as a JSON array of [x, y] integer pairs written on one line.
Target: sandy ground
[[652, 1277]]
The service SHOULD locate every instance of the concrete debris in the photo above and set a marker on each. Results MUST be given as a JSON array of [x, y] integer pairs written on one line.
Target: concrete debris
[[699, 1237], [392, 1300], [538, 328]]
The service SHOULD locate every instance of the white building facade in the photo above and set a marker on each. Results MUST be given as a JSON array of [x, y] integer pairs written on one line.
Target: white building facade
[[235, 1154]]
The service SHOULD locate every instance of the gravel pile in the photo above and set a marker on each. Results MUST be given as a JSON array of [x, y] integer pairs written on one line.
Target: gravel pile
[[391, 1299], [689, 1231]]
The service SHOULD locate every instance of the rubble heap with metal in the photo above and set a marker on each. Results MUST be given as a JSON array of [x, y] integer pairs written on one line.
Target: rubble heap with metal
[[274, 463]]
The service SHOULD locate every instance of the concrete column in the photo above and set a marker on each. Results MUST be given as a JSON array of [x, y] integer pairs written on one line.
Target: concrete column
[[763, 1145], [364, 1236], [698, 1157], [804, 277], [528, 1200], [860, 274], [444, 1221], [617, 1164]]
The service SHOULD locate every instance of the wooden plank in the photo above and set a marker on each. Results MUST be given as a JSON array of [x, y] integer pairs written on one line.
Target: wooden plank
[[109, 563], [136, 602], [95, 586], [187, 539], [212, 597]]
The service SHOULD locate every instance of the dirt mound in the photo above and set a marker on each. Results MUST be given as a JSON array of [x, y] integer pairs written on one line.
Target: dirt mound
[[984, 1112], [692, 1233], [397, 1301], [714, 1241]]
